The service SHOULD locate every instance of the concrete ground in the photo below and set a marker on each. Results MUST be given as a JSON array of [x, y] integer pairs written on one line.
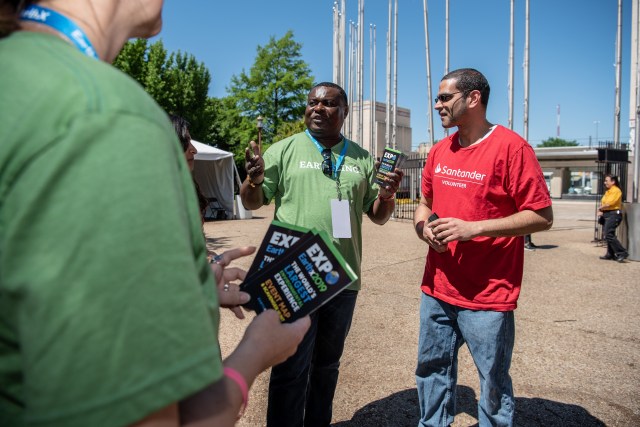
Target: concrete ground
[[576, 360]]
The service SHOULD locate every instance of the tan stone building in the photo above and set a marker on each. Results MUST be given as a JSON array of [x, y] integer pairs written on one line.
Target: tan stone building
[[403, 127]]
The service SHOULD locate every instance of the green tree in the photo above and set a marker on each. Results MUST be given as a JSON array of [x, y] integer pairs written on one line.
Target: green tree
[[132, 59], [177, 82], [289, 128], [557, 142], [187, 85], [228, 129], [276, 86]]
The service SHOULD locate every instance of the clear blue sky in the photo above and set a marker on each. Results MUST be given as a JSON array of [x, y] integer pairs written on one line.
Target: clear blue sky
[[572, 53]]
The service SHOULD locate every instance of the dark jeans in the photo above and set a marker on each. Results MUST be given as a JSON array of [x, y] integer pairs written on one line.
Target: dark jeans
[[612, 220], [301, 389]]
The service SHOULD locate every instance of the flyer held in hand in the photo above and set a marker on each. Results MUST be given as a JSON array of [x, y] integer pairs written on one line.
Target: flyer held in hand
[[277, 240], [296, 272], [391, 159]]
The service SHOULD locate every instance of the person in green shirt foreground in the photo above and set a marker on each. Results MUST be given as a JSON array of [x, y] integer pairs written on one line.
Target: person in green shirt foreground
[[109, 309], [318, 179]]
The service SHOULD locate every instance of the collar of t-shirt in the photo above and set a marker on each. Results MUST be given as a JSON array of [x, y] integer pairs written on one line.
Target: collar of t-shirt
[[486, 135]]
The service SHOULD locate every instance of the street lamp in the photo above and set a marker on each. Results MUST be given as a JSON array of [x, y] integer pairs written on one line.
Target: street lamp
[[596, 122], [259, 126]]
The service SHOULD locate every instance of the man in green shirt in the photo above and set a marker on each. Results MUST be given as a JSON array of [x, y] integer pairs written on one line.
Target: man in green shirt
[[318, 179]]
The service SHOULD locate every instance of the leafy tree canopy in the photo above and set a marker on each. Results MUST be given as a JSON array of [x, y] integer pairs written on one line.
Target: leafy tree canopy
[[557, 142], [177, 82], [289, 128], [229, 130], [276, 86]]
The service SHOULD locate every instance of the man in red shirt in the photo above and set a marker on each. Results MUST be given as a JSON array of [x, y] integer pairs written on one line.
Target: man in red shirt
[[486, 186]]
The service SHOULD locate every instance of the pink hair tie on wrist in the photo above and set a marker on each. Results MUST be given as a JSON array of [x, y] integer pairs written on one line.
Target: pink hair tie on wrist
[[237, 378]]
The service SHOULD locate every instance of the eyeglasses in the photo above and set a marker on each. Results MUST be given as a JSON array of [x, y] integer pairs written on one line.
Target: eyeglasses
[[327, 165], [444, 97]]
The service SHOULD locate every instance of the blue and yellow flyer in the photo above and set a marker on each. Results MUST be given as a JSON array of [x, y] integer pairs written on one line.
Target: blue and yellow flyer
[[277, 240], [299, 280], [391, 159]]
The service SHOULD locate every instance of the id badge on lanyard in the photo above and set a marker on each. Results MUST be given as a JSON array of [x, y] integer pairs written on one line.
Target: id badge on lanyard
[[340, 219]]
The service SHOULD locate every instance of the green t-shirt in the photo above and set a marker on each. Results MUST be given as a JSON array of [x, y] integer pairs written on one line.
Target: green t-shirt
[[303, 194], [108, 308]]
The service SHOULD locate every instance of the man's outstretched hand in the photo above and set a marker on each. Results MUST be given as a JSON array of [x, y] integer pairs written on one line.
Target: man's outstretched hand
[[254, 163]]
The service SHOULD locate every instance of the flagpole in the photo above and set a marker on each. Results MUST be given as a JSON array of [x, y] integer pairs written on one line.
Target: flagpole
[[374, 135], [616, 122], [428, 57], [343, 30], [511, 66], [525, 131], [361, 72], [395, 76], [371, 90], [336, 31], [387, 136]]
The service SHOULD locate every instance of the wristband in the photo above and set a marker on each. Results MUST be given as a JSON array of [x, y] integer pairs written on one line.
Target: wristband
[[386, 199], [237, 378]]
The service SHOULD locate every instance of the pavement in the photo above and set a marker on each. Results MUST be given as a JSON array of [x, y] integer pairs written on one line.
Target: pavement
[[576, 360]]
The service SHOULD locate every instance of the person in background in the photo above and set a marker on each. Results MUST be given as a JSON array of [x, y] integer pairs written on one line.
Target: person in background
[[485, 184], [109, 310], [610, 209], [181, 126], [318, 179]]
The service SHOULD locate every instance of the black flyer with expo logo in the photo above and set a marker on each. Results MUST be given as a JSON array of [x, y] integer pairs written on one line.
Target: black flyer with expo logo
[[307, 273]]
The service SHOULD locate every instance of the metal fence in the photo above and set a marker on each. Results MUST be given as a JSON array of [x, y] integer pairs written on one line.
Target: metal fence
[[408, 195]]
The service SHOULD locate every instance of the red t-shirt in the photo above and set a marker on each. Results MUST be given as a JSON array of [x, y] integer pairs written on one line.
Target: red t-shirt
[[494, 178]]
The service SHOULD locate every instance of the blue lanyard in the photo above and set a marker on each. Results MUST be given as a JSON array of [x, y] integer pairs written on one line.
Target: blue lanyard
[[61, 23], [340, 160]]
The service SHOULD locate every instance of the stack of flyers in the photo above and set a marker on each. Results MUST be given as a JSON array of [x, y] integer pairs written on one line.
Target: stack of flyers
[[301, 278]]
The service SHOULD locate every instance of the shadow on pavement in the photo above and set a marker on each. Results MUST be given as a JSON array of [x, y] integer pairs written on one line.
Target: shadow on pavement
[[401, 410], [543, 247]]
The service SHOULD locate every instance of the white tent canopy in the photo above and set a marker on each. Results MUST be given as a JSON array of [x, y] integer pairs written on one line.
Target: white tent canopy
[[215, 172]]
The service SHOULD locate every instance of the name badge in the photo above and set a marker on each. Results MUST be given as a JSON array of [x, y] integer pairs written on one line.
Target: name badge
[[340, 219]]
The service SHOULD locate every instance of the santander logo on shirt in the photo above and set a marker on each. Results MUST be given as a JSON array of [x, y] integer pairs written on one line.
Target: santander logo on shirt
[[459, 177]]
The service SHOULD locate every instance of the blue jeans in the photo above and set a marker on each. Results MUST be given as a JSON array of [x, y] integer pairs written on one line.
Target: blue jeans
[[301, 389], [489, 335]]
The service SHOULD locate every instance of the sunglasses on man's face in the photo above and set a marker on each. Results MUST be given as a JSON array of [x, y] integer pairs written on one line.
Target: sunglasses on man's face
[[327, 165], [444, 97]]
